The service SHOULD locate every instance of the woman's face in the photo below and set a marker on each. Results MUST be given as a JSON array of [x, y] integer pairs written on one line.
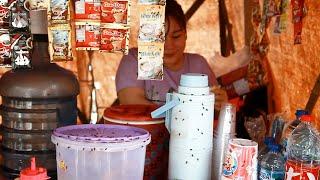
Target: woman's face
[[175, 43]]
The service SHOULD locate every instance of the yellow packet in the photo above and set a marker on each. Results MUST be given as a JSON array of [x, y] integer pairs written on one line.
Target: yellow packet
[[60, 47], [38, 4], [150, 61], [59, 12]]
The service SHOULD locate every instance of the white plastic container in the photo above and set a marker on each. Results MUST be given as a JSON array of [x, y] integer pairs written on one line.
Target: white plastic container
[[100, 152]]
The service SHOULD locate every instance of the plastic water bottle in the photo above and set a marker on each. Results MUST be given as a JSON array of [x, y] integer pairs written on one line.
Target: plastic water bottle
[[303, 151], [289, 127], [272, 164], [264, 150]]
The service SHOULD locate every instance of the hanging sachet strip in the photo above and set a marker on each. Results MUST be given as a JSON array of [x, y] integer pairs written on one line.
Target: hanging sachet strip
[[297, 16], [60, 42], [151, 38], [150, 61], [59, 30]]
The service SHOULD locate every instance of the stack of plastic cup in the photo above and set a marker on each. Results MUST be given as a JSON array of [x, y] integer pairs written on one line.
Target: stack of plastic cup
[[226, 131], [240, 162]]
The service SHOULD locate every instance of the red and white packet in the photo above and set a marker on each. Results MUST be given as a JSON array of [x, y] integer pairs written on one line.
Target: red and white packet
[[87, 10], [115, 11], [88, 35], [114, 38]]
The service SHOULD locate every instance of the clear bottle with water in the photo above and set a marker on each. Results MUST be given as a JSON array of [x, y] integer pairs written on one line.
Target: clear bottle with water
[[289, 127], [272, 165], [264, 150], [303, 151]]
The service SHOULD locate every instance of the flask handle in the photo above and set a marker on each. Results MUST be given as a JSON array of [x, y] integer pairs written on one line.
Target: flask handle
[[166, 110]]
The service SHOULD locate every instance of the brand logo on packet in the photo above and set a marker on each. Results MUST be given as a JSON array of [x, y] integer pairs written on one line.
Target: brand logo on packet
[[114, 33], [230, 164], [114, 5], [292, 175]]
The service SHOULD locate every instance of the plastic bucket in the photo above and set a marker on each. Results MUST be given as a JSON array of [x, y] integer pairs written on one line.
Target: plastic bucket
[[157, 154], [100, 152]]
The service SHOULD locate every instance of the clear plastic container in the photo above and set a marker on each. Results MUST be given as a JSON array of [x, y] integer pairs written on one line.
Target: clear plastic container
[[265, 149], [272, 164], [304, 150], [290, 126], [100, 152]]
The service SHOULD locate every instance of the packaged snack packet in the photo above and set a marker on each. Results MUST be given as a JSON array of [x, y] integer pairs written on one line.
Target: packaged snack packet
[[88, 35], [39, 4], [59, 12], [60, 43], [87, 9], [5, 6], [298, 7], [152, 23], [21, 47], [154, 2], [5, 48], [19, 18], [150, 61], [115, 11], [114, 39]]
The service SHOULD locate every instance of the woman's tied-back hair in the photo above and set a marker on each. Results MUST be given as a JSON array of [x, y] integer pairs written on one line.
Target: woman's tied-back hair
[[174, 10]]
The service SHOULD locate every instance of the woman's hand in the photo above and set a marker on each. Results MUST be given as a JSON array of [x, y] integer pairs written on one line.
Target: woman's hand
[[220, 97]]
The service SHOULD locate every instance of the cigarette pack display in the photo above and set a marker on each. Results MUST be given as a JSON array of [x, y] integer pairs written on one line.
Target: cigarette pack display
[[60, 43], [88, 35], [114, 39], [87, 9]]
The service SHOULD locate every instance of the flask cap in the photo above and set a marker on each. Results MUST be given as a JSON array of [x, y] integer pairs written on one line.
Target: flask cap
[[300, 113], [274, 148], [194, 80], [306, 118], [268, 140]]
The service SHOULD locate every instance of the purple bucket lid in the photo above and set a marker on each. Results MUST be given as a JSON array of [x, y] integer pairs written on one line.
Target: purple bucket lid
[[101, 133]]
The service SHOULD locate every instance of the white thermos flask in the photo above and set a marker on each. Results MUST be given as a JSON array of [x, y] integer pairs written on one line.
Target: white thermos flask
[[189, 119]]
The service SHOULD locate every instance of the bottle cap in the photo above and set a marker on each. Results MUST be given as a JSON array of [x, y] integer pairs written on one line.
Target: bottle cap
[[33, 172], [194, 80], [274, 148], [300, 113], [268, 140], [306, 118]]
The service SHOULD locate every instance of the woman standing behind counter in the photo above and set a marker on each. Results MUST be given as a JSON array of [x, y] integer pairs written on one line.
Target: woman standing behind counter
[[176, 62]]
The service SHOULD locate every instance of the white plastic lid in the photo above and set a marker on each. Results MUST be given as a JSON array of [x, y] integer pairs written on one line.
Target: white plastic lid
[[195, 80]]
